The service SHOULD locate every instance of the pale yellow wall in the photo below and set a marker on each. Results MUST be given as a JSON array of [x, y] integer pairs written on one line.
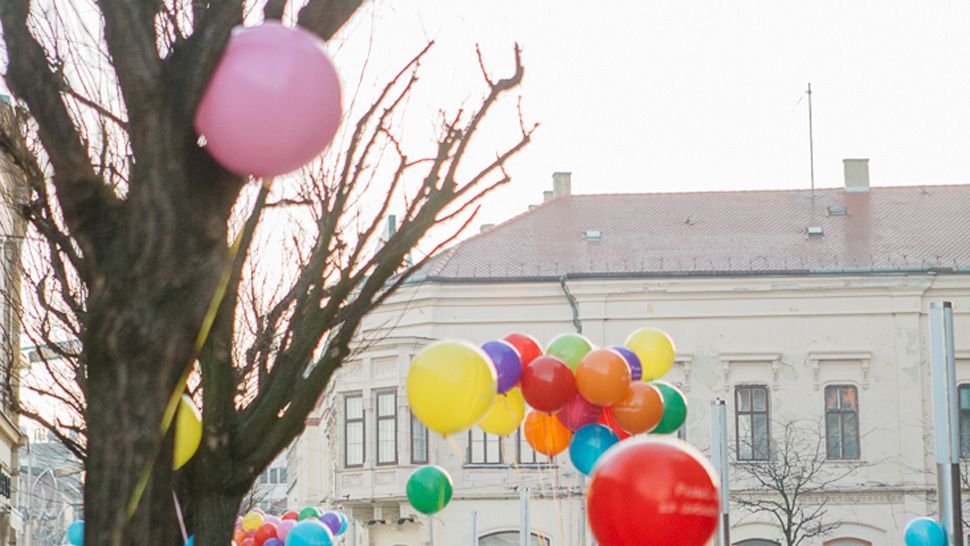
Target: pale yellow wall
[[794, 334]]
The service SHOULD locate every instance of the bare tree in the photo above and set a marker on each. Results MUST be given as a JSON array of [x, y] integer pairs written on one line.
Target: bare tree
[[791, 486], [148, 247]]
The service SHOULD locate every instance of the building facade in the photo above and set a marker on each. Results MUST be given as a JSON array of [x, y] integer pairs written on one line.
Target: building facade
[[12, 231], [792, 307]]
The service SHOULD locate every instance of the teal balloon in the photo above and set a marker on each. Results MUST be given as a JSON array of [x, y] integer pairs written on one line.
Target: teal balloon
[[588, 445], [570, 348], [429, 489], [344, 523], [924, 532], [190, 541], [309, 532], [75, 533], [675, 408]]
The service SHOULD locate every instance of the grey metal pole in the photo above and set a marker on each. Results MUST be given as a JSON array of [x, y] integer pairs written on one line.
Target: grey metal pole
[[474, 537], [719, 456], [582, 509], [945, 402], [524, 531]]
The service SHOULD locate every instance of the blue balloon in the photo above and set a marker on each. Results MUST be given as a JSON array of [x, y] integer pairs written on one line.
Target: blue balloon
[[925, 532], [344, 523], [191, 541], [508, 364], [588, 444], [632, 360], [309, 532], [75, 533]]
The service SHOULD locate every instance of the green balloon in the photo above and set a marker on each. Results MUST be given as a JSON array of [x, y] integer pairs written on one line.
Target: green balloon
[[570, 348], [429, 489], [310, 512], [675, 408]]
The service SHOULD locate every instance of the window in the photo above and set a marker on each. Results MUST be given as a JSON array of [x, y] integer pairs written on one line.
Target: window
[[274, 475], [264, 477], [510, 538], [484, 448], [282, 475], [525, 454], [387, 428], [419, 441], [751, 422], [353, 430], [842, 422], [964, 396]]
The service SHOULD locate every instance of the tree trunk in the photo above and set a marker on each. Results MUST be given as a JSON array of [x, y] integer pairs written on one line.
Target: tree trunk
[[122, 438], [213, 517]]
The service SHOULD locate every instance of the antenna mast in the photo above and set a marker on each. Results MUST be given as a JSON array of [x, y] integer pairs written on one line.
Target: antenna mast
[[811, 139]]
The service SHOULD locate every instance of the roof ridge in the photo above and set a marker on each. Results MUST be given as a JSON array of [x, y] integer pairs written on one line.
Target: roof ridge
[[760, 190]]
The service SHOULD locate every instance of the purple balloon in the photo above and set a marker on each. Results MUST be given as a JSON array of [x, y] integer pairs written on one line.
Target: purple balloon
[[273, 542], [508, 363], [332, 521], [636, 370]]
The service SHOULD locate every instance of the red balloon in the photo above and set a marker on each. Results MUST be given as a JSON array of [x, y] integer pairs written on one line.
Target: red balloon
[[548, 384], [668, 484], [292, 515], [529, 349], [606, 418], [578, 413], [265, 532]]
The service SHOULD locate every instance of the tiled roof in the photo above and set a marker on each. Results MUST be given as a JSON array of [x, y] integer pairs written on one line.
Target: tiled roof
[[721, 233]]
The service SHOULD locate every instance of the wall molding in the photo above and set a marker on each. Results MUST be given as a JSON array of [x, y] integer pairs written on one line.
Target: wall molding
[[815, 359]]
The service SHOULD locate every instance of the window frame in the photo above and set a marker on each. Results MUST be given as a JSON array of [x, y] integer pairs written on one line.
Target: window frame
[[842, 413], [963, 417], [426, 446], [378, 419], [363, 430], [485, 462], [738, 413]]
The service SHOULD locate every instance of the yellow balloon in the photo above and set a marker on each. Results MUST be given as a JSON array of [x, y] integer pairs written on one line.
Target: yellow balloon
[[505, 415], [451, 385], [188, 432], [252, 521], [655, 350]]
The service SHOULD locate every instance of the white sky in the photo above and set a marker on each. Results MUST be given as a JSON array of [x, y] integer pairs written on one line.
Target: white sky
[[683, 96]]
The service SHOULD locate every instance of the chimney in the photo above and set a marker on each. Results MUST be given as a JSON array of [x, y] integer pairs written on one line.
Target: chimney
[[561, 184], [485, 227], [547, 196], [856, 175]]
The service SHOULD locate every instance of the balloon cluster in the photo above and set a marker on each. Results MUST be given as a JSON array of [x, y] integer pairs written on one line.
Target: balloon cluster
[[582, 398], [311, 526], [595, 402], [924, 532]]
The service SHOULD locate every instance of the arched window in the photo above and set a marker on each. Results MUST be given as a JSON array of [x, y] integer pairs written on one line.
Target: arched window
[[510, 538], [756, 542], [848, 542]]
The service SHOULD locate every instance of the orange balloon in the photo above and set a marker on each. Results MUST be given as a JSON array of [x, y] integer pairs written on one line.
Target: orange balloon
[[603, 377], [546, 434], [239, 536], [641, 409]]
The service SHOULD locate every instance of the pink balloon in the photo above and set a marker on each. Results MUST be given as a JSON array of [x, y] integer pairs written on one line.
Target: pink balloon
[[578, 413], [272, 519], [283, 528], [273, 102]]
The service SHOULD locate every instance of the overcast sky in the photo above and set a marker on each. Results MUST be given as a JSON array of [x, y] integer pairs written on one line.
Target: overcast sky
[[641, 96]]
